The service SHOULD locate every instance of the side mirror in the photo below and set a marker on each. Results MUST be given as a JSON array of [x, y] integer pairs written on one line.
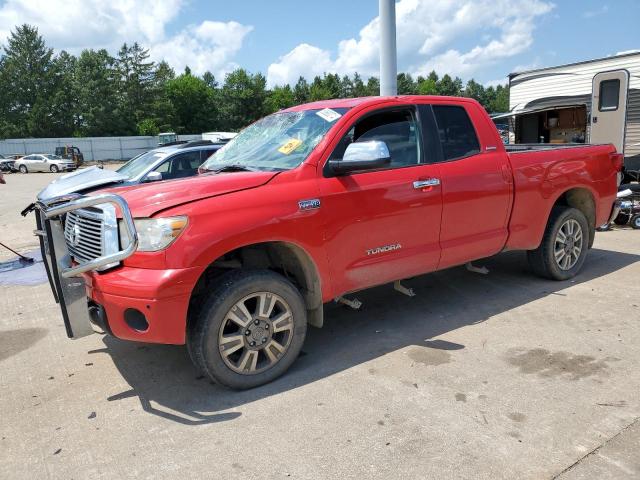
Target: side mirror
[[362, 156], [153, 177]]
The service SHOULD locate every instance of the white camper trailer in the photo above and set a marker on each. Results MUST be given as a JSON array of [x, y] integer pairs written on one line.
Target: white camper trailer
[[597, 101]]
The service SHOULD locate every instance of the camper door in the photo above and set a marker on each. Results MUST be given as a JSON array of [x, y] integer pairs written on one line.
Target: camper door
[[609, 108]]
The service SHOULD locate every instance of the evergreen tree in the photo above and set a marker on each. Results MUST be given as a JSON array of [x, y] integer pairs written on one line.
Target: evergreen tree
[[301, 92], [242, 98], [26, 83], [136, 78], [96, 86]]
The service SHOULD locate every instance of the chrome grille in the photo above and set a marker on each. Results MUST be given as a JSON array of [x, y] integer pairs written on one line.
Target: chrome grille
[[83, 232]]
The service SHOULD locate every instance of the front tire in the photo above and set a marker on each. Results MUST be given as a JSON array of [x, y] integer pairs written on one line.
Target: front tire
[[564, 245], [635, 222], [250, 330], [54, 169], [23, 169]]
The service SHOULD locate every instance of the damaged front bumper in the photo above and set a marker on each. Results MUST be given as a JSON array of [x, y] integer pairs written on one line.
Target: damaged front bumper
[[64, 272]]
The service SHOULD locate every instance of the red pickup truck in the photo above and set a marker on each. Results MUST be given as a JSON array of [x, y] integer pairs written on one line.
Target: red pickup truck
[[308, 205]]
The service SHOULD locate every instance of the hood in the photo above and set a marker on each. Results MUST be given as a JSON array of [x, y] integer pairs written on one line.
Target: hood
[[150, 198], [80, 180]]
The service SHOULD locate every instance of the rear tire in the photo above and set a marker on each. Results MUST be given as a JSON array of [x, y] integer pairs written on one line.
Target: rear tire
[[54, 169], [635, 222], [23, 169], [621, 219], [250, 329], [564, 245]]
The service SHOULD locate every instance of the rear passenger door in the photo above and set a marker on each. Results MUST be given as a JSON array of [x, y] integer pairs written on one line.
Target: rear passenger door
[[476, 188]]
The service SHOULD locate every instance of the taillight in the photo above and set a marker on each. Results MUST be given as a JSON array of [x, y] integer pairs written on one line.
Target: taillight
[[618, 161]]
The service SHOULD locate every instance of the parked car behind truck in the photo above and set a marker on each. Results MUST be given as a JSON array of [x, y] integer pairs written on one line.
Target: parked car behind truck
[[164, 163], [43, 163], [308, 205]]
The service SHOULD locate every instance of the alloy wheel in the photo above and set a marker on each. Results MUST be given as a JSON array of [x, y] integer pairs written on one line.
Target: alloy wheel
[[256, 333], [568, 244]]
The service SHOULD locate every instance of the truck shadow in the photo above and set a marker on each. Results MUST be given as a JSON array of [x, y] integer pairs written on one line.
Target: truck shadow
[[167, 385]]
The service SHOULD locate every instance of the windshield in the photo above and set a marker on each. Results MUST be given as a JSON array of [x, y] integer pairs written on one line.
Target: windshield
[[278, 142], [140, 164]]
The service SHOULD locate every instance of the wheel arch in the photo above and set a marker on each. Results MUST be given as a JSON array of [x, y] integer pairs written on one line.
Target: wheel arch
[[286, 258], [583, 199]]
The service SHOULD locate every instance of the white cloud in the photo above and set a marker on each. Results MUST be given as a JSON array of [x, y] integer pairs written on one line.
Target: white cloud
[[74, 25], [596, 13], [425, 33], [304, 58], [208, 46]]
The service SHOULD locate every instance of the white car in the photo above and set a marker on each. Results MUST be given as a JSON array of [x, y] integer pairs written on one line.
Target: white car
[[43, 163]]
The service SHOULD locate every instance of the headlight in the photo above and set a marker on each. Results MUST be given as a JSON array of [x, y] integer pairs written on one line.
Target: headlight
[[154, 233]]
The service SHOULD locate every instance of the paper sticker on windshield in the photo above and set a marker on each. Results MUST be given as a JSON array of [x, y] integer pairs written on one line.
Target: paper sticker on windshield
[[328, 114], [290, 146]]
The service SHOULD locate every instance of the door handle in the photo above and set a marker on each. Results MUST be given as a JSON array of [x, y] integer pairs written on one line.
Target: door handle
[[429, 182]]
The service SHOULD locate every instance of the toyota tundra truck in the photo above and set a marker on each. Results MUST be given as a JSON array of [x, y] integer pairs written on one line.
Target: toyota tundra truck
[[307, 206]]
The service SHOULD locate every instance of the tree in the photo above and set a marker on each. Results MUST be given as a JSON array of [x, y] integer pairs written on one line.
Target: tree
[[500, 102], [210, 80], [449, 86], [135, 77], [242, 98], [476, 91], [64, 96], [26, 84], [148, 127], [373, 86], [301, 91], [325, 87], [279, 98], [96, 87], [192, 101], [406, 85], [359, 88], [427, 86], [162, 111]]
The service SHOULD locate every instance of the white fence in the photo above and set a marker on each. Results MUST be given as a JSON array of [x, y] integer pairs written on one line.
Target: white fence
[[93, 148]]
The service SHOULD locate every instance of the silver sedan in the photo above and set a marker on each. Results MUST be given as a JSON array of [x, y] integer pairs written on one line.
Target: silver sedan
[[43, 163]]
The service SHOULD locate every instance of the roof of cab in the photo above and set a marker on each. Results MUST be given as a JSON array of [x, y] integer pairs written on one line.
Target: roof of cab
[[363, 101]]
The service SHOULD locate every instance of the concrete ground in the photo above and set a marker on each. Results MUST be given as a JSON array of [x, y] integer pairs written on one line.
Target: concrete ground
[[480, 376]]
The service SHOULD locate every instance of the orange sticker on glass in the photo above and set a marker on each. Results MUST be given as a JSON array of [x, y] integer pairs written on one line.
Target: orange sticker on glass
[[290, 146]]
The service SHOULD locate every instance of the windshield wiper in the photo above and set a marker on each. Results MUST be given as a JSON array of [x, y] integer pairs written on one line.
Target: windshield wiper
[[235, 168]]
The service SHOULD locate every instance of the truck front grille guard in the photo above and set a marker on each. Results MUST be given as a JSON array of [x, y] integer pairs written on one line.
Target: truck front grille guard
[[55, 210], [69, 291]]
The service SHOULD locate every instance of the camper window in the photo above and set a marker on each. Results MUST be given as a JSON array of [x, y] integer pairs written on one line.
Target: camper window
[[609, 95]]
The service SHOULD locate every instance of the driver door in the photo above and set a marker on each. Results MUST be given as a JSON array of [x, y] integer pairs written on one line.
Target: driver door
[[383, 225]]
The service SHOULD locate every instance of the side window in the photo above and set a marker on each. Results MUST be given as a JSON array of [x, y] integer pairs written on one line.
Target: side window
[[457, 135], [609, 95], [163, 168], [205, 154], [180, 166], [398, 129]]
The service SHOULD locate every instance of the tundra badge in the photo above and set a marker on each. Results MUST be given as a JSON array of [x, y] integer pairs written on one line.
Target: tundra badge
[[384, 248]]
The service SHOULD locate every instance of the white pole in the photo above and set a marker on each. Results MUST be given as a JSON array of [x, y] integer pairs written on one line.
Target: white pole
[[388, 60]]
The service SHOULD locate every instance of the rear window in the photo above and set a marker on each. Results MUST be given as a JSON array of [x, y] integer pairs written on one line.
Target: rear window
[[457, 135], [609, 95]]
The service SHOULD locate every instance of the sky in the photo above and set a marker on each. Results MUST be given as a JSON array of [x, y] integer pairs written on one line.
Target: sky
[[284, 39]]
